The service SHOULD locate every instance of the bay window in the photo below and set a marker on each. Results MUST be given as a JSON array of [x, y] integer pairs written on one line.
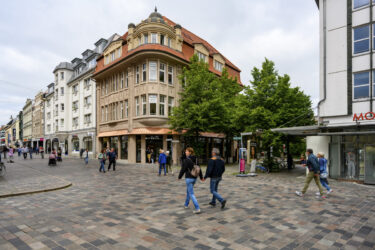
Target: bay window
[[162, 105], [137, 106], [152, 100], [170, 105], [126, 108], [137, 75], [162, 72], [170, 75], [126, 78], [144, 67], [144, 105], [154, 37], [152, 72]]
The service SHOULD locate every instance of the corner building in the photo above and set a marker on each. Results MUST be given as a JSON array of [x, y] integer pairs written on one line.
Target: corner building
[[138, 85]]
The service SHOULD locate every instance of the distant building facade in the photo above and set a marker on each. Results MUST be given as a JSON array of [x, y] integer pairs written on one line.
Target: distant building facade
[[27, 122], [38, 121]]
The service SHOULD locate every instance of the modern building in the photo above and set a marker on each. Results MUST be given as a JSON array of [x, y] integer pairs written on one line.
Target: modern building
[[346, 129], [27, 122], [138, 85], [38, 120], [49, 103]]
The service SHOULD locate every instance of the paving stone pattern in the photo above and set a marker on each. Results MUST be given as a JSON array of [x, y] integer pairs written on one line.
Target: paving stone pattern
[[133, 208]]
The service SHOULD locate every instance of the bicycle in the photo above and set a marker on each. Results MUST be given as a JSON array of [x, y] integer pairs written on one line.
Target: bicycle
[[2, 169], [262, 169]]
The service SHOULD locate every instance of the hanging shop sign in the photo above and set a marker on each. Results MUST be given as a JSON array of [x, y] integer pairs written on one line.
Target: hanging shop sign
[[364, 116]]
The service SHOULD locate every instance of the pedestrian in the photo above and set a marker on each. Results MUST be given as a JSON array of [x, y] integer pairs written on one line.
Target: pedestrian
[[101, 158], [162, 161], [59, 154], [148, 155], [31, 152], [112, 156], [191, 171], [11, 154], [152, 156], [215, 170], [81, 153], [168, 165], [41, 150], [313, 165], [5, 151], [19, 151], [25, 150], [86, 156], [323, 172]]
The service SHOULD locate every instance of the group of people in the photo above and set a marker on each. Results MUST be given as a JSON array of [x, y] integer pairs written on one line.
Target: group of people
[[190, 168], [165, 162], [106, 154], [317, 170], [21, 151]]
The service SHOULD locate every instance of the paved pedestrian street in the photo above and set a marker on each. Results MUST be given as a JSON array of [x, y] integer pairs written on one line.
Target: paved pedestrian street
[[133, 208]]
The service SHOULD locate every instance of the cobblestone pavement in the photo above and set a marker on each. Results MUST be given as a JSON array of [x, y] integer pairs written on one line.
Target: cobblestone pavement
[[133, 208]]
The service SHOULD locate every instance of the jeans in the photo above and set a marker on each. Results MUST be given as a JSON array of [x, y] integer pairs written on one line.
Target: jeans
[[309, 178], [214, 184], [25, 155], [324, 183], [19, 153], [162, 165], [86, 160], [102, 166], [114, 165], [190, 192], [31, 155]]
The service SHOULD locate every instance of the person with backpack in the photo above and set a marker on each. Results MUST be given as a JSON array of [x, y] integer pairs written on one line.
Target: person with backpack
[[313, 165], [162, 161], [191, 170], [101, 158], [215, 170]]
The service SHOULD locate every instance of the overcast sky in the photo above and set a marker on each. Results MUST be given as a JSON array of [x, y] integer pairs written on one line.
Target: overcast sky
[[36, 35]]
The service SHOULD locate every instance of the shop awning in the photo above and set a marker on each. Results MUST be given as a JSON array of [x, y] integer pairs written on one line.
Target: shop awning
[[113, 133], [152, 131], [302, 131]]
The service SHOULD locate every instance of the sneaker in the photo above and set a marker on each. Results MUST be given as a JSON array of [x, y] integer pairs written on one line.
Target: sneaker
[[212, 204], [329, 191], [198, 211], [223, 204], [317, 193], [299, 193], [186, 207]]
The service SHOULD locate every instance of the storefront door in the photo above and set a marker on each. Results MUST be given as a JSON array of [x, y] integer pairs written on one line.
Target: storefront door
[[370, 164]]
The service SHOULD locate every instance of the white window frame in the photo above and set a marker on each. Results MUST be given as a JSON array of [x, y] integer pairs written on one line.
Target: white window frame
[[154, 37], [137, 77], [162, 105], [362, 85], [153, 71], [145, 38], [122, 80], [170, 104], [170, 74], [218, 66], [363, 39], [144, 72], [162, 69], [102, 114], [156, 103], [144, 104], [121, 110], [126, 108], [137, 106], [126, 78], [201, 56]]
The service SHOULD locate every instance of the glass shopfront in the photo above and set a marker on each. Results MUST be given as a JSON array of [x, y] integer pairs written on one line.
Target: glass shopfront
[[138, 148], [352, 157], [124, 147]]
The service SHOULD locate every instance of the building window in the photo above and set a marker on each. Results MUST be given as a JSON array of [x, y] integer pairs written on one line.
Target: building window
[[360, 3], [87, 141], [122, 79], [57, 110], [87, 119], [49, 128], [86, 83], [162, 72], [106, 86], [201, 56], [62, 91], [218, 66], [145, 38], [139, 41], [152, 71], [144, 67], [162, 39], [152, 100], [361, 85], [106, 113], [126, 108], [87, 101], [62, 106], [75, 122], [75, 89], [170, 105], [121, 110], [137, 106], [48, 115], [102, 114], [137, 75], [162, 105], [126, 78], [75, 106], [62, 122], [361, 39], [154, 37], [170, 75], [144, 105], [113, 56], [56, 94], [62, 75], [119, 52]]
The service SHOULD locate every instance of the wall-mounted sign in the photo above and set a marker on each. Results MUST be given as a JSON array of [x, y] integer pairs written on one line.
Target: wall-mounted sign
[[364, 116]]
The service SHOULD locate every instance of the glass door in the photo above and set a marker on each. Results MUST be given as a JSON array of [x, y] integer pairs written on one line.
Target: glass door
[[370, 164], [334, 164]]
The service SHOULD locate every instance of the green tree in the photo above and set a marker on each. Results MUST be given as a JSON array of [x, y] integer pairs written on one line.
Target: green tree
[[270, 102], [206, 103]]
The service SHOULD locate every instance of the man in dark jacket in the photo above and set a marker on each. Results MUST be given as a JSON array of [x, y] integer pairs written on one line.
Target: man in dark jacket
[[313, 165], [215, 170], [112, 156]]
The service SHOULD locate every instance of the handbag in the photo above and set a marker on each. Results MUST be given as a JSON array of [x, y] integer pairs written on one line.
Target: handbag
[[324, 175], [195, 170]]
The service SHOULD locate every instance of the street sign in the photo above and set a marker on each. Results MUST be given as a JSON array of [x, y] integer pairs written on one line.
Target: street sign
[[237, 138]]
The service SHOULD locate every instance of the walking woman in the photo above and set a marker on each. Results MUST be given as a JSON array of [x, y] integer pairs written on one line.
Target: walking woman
[[323, 172], [190, 178], [102, 161]]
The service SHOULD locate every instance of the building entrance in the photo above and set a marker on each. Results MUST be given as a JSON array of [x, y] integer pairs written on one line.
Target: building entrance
[[154, 143]]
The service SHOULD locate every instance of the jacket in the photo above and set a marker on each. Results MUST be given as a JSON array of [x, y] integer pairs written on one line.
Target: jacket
[[313, 164], [187, 165], [162, 158], [323, 165], [215, 168]]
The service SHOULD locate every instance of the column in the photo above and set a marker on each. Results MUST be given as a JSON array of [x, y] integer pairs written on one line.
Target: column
[[143, 149], [176, 150], [132, 149], [165, 146], [119, 147]]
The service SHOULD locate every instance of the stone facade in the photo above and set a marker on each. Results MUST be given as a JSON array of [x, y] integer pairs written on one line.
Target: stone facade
[[38, 120], [27, 122]]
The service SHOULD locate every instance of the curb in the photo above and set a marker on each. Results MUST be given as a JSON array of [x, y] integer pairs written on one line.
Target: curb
[[35, 192]]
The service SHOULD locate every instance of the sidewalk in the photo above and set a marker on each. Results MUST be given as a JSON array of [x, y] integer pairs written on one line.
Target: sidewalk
[[22, 179]]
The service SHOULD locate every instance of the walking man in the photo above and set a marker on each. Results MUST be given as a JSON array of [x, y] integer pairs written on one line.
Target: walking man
[[86, 156], [162, 162], [215, 170], [112, 156], [313, 165]]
